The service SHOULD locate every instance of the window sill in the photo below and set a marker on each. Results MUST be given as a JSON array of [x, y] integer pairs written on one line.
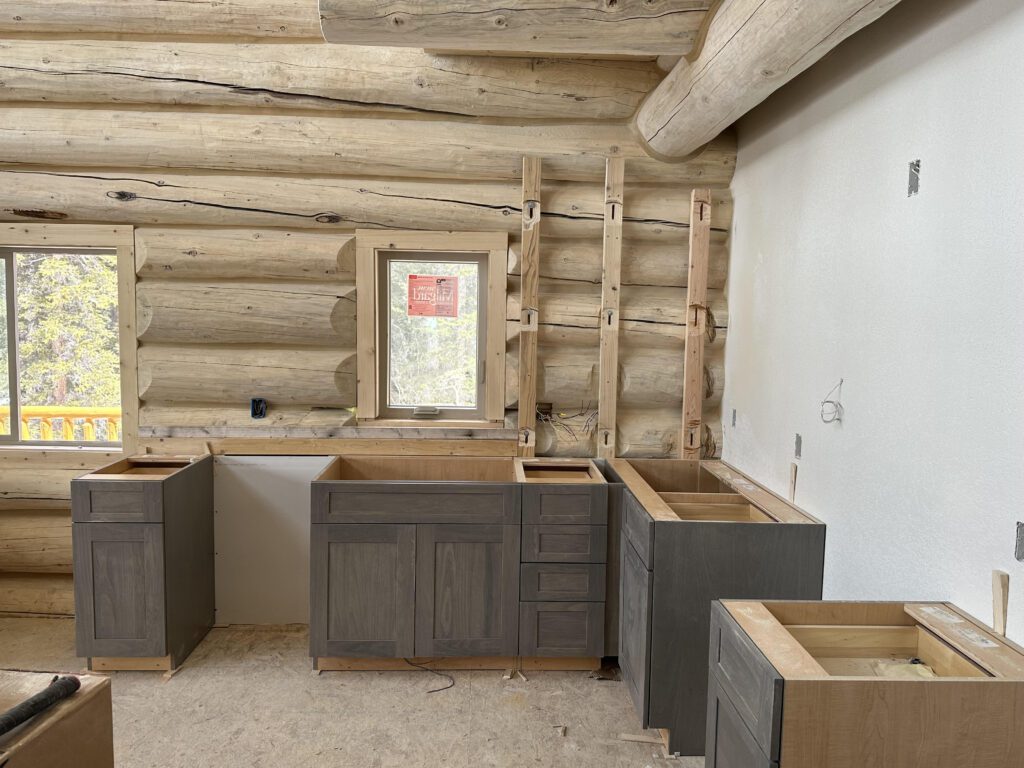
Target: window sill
[[13, 450], [430, 424]]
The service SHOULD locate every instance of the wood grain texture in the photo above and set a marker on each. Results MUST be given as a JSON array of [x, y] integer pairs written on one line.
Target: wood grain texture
[[35, 541], [696, 323], [325, 78], [559, 504], [314, 144], [36, 594], [611, 279], [565, 543], [561, 582], [529, 310], [412, 502], [752, 48], [553, 629], [629, 27], [636, 596]]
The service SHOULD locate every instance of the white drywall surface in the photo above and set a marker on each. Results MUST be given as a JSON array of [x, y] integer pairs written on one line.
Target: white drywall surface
[[917, 302], [262, 537]]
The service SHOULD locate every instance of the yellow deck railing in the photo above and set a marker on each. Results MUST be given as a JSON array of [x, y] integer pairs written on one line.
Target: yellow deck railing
[[55, 423]]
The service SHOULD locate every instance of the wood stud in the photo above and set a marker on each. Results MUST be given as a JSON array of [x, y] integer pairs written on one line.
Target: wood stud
[[696, 322], [529, 300], [610, 294]]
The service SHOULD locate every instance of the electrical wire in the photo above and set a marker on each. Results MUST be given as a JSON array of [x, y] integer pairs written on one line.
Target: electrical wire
[[831, 408], [445, 675]]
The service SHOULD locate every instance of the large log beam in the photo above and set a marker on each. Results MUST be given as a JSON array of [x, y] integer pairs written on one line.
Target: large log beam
[[320, 77], [35, 541], [234, 375], [295, 314], [349, 146], [37, 594], [194, 199], [284, 19], [270, 254], [625, 27], [752, 48]]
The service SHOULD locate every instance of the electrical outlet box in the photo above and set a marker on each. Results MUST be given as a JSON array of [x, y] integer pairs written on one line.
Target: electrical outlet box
[[1019, 553], [734, 417], [798, 446]]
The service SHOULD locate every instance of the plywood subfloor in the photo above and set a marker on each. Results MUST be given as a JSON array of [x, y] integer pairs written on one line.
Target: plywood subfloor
[[247, 697]]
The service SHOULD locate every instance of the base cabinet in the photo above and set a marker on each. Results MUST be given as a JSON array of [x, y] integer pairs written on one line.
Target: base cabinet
[[634, 628]]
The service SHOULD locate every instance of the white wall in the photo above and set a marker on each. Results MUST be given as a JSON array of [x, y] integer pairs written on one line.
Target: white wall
[[917, 302]]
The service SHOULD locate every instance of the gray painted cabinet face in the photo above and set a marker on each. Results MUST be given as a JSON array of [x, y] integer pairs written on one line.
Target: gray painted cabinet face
[[565, 543], [467, 590], [584, 504], [363, 590], [412, 502], [635, 629], [561, 629], [119, 589], [730, 743], [556, 582]]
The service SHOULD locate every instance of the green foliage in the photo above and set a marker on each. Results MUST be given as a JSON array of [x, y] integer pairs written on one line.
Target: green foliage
[[5, 391], [433, 360], [67, 329]]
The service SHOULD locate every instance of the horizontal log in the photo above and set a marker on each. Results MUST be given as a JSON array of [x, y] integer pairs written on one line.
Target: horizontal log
[[626, 27], [642, 263], [647, 377], [37, 594], [225, 18], [234, 375], [155, 420], [47, 487], [631, 334], [752, 48], [332, 78], [35, 541], [640, 433], [288, 314], [578, 305], [244, 253], [138, 197], [80, 458], [349, 146]]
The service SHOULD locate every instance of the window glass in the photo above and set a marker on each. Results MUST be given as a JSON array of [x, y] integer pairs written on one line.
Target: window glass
[[5, 371], [69, 382], [433, 354]]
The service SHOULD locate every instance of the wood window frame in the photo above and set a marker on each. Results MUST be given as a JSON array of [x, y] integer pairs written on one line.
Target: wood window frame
[[121, 240], [370, 244]]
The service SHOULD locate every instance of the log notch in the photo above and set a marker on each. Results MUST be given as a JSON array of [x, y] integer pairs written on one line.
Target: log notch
[[625, 27], [350, 146], [529, 312], [327, 78], [609, 318], [284, 19], [752, 48], [657, 213], [696, 322]]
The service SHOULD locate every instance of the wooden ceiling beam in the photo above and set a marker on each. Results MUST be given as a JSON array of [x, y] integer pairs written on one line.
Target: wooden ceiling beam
[[751, 49], [624, 27], [326, 78]]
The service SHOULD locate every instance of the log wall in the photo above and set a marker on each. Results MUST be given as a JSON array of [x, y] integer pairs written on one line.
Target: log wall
[[246, 154]]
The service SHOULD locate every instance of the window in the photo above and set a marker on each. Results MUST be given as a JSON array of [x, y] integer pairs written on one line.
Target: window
[[431, 326], [59, 352]]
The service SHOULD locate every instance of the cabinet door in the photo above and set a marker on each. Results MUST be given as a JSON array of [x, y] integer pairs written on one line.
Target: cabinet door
[[467, 596], [729, 741], [119, 589], [363, 590], [635, 629]]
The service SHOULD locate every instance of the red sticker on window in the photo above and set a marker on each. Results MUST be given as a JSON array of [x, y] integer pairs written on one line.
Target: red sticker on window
[[433, 296]]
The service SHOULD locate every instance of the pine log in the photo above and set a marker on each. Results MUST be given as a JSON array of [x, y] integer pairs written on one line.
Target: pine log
[[234, 375], [138, 197], [669, 338], [35, 541], [642, 263], [625, 27], [752, 48], [294, 314], [244, 253], [647, 376], [349, 146], [331, 78], [578, 305], [47, 487], [37, 594], [283, 19], [155, 419]]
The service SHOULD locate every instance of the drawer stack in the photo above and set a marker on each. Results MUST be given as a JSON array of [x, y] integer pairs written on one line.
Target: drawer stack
[[564, 558]]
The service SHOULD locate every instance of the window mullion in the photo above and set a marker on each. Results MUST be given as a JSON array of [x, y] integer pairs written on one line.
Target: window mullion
[[12, 347]]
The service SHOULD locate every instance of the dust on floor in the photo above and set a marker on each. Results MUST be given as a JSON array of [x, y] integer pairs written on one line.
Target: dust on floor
[[248, 698]]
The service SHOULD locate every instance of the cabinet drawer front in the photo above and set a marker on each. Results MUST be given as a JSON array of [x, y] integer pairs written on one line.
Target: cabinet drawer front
[[749, 679], [119, 589], [561, 629], [638, 527], [117, 501], [635, 630], [565, 504], [565, 543], [729, 743], [483, 503], [554, 582]]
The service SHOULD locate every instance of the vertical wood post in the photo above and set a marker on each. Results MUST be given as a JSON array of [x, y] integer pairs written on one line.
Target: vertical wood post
[[529, 320], [609, 322], [696, 322]]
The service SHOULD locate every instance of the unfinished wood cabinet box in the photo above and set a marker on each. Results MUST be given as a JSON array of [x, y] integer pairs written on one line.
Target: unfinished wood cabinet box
[[77, 731], [848, 685], [693, 532], [142, 531]]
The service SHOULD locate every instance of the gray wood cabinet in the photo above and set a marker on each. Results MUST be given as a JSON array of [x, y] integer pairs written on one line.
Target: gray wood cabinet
[[679, 557], [363, 590], [143, 558], [561, 629]]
